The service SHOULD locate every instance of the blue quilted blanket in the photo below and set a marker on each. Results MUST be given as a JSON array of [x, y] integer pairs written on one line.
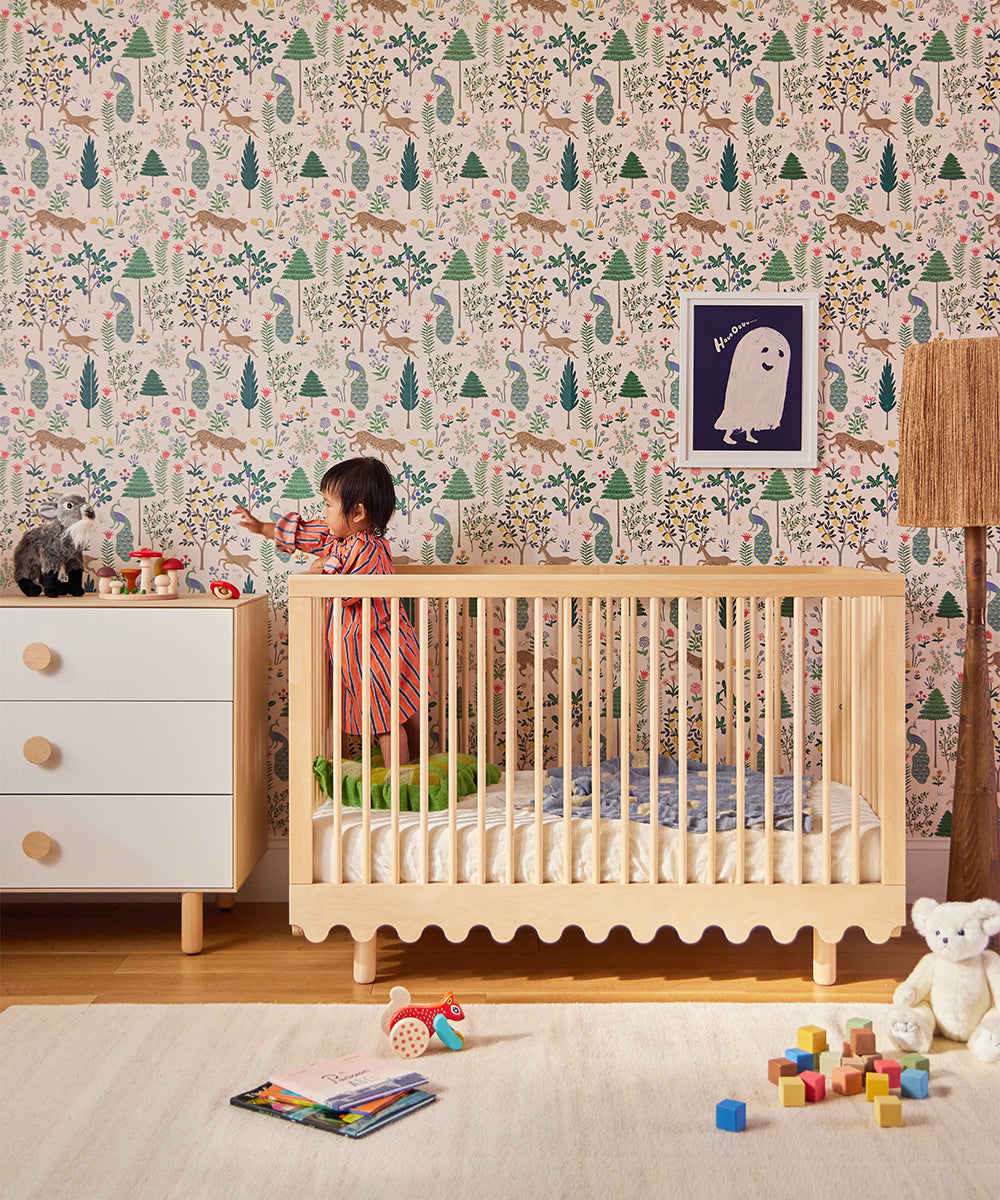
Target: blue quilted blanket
[[639, 799]]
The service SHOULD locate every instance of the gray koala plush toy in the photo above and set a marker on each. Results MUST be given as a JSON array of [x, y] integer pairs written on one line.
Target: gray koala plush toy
[[45, 551]]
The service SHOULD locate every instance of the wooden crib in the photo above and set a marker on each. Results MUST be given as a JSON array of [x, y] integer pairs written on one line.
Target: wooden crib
[[743, 674]]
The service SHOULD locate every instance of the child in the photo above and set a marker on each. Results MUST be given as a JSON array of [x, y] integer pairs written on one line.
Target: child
[[350, 539]]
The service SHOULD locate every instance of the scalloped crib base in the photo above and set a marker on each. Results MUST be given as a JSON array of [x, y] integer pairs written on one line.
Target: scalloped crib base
[[879, 910]]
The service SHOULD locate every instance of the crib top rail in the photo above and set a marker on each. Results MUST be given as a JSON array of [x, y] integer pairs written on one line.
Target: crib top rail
[[599, 582]]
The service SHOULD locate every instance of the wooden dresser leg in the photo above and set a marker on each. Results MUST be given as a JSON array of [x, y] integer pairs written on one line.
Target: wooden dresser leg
[[191, 922], [364, 960], [824, 961], [224, 900]]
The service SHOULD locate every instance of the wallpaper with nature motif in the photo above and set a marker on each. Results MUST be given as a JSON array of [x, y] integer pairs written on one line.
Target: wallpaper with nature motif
[[241, 239]]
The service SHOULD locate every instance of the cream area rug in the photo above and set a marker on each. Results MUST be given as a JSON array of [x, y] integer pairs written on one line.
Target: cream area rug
[[131, 1102]]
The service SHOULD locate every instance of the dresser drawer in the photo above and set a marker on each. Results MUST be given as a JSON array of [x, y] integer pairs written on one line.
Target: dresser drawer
[[109, 842], [111, 747], [158, 652]]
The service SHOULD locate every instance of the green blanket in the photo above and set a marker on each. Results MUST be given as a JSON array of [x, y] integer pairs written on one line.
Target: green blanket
[[467, 770]]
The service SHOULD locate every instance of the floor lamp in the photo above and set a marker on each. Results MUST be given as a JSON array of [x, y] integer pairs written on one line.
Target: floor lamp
[[949, 475]]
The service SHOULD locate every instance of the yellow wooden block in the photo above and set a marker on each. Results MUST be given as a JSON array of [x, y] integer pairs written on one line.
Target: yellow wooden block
[[792, 1091], [812, 1038], [876, 1085], [888, 1111]]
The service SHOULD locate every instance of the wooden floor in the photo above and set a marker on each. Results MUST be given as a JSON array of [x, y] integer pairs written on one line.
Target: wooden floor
[[129, 953]]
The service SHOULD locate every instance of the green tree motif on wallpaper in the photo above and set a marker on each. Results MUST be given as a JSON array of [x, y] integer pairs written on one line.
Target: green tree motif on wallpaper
[[898, 50], [574, 269], [894, 271], [632, 167], [95, 266], [89, 394], [300, 49], [569, 172], [937, 272], [418, 50], [364, 300], [205, 299], [458, 488], [139, 47], [417, 270], [458, 270], [152, 166], [619, 269], [887, 391], [312, 387], [459, 50], [728, 174], [409, 394], [949, 608], [152, 386], [43, 298], [684, 82], [778, 270], [938, 51], [298, 268], [779, 50], [206, 80], [409, 170], [96, 47], [935, 709], [45, 78], [737, 52], [619, 50], [298, 488], [618, 489], [139, 488], [578, 47], [525, 301], [139, 268], [844, 83], [569, 394], [88, 167], [258, 49], [472, 168], [777, 489]]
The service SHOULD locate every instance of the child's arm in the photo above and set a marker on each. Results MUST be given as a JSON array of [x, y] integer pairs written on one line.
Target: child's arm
[[249, 522]]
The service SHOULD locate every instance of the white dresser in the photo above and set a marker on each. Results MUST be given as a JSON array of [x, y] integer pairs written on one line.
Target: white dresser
[[133, 747]]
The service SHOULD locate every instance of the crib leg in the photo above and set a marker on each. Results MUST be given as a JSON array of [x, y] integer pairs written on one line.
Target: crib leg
[[824, 961], [364, 960]]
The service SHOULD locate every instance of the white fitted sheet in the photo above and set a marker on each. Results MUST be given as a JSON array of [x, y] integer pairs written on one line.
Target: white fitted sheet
[[553, 841]]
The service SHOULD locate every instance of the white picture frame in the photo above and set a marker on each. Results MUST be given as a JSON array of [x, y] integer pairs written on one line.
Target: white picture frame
[[748, 357]]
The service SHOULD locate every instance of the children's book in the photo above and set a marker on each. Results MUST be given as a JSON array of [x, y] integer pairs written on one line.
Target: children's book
[[344, 1083], [276, 1102]]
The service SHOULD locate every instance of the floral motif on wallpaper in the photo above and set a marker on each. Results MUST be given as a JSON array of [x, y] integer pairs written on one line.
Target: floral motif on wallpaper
[[240, 240]]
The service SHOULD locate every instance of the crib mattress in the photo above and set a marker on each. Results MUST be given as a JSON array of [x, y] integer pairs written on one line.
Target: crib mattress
[[553, 843]]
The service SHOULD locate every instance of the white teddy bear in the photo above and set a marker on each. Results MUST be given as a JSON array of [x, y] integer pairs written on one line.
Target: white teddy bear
[[954, 990]]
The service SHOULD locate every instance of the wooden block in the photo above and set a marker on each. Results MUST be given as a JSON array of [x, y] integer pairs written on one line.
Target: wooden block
[[876, 1085], [888, 1111], [814, 1084], [848, 1081], [812, 1038], [857, 1063], [792, 1091], [868, 1062], [731, 1115], [862, 1041], [916, 1062], [828, 1060], [889, 1066], [857, 1023], [776, 1067], [804, 1060], [914, 1084]]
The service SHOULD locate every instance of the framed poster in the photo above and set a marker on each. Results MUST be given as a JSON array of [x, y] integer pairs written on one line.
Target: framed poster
[[749, 379]]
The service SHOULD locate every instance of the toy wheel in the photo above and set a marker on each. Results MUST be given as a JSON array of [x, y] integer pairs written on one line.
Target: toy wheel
[[224, 590], [409, 1037]]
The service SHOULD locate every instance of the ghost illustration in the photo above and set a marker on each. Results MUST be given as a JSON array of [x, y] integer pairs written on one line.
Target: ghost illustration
[[758, 379]]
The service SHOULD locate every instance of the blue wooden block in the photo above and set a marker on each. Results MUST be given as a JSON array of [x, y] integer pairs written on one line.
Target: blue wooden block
[[803, 1059], [913, 1083], [731, 1115]]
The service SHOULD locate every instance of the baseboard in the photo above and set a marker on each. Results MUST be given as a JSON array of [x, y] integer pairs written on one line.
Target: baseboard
[[926, 875]]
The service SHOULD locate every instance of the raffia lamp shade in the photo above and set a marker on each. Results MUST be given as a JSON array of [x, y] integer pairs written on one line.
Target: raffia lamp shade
[[949, 434]]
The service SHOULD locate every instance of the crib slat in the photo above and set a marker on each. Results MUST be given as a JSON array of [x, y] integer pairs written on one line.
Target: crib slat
[[337, 734], [510, 732], [423, 635], [482, 706], [442, 695], [566, 732], [452, 739], [539, 739], [464, 743], [625, 724], [682, 742], [584, 604], [856, 626], [727, 681], [595, 739], [739, 725], [798, 730], [769, 725], [708, 723], [366, 737], [394, 724], [654, 739], [828, 676]]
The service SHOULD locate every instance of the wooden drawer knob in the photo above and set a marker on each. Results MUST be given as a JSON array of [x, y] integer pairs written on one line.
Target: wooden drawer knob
[[36, 844], [37, 750], [37, 657]]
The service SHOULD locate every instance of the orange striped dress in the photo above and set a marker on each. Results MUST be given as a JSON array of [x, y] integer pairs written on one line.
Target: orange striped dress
[[360, 554]]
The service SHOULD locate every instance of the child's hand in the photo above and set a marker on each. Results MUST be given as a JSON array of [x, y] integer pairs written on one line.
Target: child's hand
[[317, 564], [249, 522]]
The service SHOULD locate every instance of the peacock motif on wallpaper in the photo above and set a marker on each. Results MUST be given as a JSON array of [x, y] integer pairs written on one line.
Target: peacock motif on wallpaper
[[38, 388], [604, 325], [837, 389], [125, 99], [520, 176], [124, 540], [921, 318], [360, 171], [200, 171], [444, 543], [762, 545], [604, 542], [39, 172], [284, 100], [199, 385], [359, 385], [604, 101], [993, 150], [284, 322], [680, 174], [764, 104], [124, 317], [444, 105], [519, 386], [444, 322], [839, 174], [923, 103], [920, 759]]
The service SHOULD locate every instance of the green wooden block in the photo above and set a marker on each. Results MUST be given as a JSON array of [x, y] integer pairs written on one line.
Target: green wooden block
[[915, 1062], [857, 1023]]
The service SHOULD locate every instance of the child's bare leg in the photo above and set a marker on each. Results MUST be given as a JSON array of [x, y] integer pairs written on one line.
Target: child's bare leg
[[411, 726], [385, 745]]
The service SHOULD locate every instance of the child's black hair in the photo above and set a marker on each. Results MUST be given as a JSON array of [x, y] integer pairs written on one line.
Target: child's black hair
[[363, 481]]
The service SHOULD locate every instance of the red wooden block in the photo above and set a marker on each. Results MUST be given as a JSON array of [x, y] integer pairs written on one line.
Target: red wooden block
[[815, 1085], [776, 1067], [862, 1041], [848, 1081], [889, 1066]]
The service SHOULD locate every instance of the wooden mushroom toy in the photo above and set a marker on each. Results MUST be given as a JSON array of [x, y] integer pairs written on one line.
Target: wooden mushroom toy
[[146, 558], [173, 567], [104, 576]]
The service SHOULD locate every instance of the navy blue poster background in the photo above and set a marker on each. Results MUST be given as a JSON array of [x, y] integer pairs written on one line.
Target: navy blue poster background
[[717, 331]]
